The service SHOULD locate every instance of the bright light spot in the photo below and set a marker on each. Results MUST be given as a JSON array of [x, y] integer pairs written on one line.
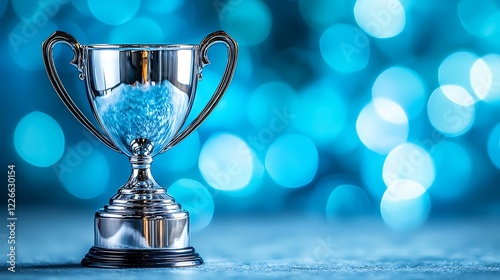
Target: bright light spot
[[321, 114], [39, 139], [137, 31], [453, 171], [390, 111], [451, 110], [382, 133], [456, 70], [345, 48], [347, 201], [270, 107], [226, 162], [458, 95], [249, 21], [255, 182], [405, 205], [292, 160], [403, 86], [409, 162], [181, 157], [84, 172], [114, 12], [490, 80], [380, 18], [494, 146], [480, 78], [162, 6], [184, 73], [404, 190], [196, 199]]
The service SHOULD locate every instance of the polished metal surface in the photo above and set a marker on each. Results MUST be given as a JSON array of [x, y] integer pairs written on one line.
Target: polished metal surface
[[129, 232], [142, 215], [141, 93], [140, 96]]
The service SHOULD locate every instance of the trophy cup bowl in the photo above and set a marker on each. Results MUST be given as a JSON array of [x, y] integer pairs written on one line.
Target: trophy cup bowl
[[140, 96]]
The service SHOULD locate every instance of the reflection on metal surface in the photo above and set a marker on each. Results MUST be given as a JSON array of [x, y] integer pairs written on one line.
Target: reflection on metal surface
[[141, 97]]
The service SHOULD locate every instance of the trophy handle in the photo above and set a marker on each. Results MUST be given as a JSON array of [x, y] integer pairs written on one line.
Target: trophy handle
[[232, 53], [48, 60]]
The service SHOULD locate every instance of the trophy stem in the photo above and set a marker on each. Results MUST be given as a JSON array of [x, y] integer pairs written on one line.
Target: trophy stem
[[141, 178], [142, 226]]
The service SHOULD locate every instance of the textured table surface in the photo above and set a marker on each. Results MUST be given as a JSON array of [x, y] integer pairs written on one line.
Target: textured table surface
[[51, 244]]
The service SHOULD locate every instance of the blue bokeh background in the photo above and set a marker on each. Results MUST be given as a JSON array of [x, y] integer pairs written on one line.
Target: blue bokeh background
[[338, 109]]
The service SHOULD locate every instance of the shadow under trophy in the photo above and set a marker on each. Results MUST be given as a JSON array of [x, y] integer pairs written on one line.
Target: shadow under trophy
[[141, 96]]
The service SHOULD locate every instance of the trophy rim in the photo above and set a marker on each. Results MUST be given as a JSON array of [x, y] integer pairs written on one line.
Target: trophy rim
[[139, 47]]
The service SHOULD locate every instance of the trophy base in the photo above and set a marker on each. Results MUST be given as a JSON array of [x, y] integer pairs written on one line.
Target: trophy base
[[138, 258], [142, 226]]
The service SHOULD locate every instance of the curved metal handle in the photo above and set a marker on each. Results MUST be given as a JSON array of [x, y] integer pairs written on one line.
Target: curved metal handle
[[232, 53], [48, 60]]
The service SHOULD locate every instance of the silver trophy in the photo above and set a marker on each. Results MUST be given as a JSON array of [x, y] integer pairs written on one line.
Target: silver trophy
[[141, 96]]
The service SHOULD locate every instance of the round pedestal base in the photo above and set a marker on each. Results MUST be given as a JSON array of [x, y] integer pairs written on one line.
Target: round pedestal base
[[125, 258]]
